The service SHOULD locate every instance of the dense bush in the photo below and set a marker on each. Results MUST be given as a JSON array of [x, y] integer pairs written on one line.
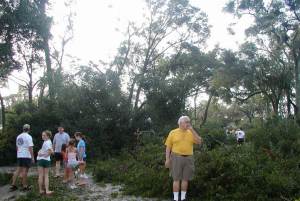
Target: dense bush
[[253, 171], [142, 171], [100, 112]]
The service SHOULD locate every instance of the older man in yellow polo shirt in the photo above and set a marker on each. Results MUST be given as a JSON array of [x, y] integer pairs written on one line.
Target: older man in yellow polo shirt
[[179, 155]]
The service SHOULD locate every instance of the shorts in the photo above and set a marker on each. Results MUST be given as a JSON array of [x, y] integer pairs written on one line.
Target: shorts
[[182, 167], [58, 156], [241, 140], [24, 162], [72, 164], [44, 163]]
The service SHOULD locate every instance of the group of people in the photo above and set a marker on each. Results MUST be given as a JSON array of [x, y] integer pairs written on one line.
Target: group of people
[[179, 156], [64, 150], [239, 134]]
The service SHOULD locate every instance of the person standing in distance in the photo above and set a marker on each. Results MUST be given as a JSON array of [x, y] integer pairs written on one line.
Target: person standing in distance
[[25, 158], [240, 136], [59, 139], [179, 155]]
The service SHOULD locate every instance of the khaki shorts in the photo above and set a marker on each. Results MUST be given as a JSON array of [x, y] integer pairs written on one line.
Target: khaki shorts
[[182, 167]]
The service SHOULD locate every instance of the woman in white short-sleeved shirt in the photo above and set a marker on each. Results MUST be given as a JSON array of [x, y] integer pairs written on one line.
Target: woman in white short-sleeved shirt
[[44, 163]]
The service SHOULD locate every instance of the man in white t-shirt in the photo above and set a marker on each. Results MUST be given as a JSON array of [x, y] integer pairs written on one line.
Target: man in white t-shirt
[[25, 157], [240, 136], [60, 138]]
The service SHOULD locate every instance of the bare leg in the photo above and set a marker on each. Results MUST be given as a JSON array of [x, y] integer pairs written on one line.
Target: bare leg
[[24, 176], [71, 175], [82, 167], [176, 186], [68, 174], [41, 179], [57, 168], [46, 177], [15, 176], [65, 180], [184, 185]]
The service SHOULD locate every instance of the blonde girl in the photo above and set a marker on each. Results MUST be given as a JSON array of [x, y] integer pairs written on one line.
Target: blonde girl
[[44, 163]]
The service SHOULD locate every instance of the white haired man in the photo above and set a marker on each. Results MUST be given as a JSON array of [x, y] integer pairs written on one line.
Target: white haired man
[[179, 156]]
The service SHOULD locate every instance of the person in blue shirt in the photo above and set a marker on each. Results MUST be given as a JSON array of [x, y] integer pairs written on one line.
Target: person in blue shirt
[[81, 148]]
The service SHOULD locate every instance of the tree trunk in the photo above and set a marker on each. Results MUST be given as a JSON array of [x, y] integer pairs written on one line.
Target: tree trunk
[[249, 118], [275, 104], [195, 107], [30, 86], [30, 89], [137, 97], [297, 78], [2, 111], [206, 110], [41, 95], [49, 69], [46, 48], [288, 102], [131, 91]]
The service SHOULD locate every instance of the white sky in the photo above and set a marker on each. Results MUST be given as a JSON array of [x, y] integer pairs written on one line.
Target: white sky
[[99, 24]]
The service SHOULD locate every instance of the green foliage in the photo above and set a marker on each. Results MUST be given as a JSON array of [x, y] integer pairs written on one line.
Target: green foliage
[[141, 170], [224, 171], [273, 58], [279, 136], [21, 23], [97, 108]]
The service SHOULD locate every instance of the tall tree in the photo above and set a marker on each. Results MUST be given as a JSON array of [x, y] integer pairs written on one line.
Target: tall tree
[[12, 26], [250, 72], [277, 20], [30, 60], [43, 28], [24, 23], [166, 26]]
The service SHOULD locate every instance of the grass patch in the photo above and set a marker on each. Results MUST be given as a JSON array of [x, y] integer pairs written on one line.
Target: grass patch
[[114, 195], [61, 192], [142, 172]]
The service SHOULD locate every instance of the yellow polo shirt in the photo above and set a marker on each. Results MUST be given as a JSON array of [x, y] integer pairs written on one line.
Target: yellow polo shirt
[[181, 141]]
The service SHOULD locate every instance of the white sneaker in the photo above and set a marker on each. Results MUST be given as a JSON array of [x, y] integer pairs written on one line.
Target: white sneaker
[[83, 176], [73, 186]]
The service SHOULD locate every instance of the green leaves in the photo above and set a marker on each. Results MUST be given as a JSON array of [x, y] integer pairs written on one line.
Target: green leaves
[[224, 172]]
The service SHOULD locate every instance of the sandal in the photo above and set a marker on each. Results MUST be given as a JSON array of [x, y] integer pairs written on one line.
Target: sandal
[[13, 188], [26, 188], [49, 192]]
